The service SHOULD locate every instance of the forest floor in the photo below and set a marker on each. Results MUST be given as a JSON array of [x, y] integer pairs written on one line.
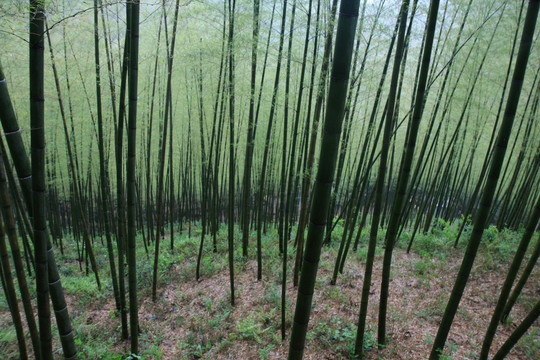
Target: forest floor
[[194, 319]]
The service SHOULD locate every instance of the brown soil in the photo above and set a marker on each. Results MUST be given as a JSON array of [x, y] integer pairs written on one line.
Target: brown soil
[[192, 320]]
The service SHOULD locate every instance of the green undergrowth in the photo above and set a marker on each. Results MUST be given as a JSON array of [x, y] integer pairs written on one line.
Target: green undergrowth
[[440, 241], [217, 331]]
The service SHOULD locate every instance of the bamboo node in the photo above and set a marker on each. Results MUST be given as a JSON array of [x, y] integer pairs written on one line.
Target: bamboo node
[[12, 132]]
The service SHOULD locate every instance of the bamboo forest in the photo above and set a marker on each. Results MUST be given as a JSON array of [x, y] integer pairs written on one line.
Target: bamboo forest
[[270, 179]]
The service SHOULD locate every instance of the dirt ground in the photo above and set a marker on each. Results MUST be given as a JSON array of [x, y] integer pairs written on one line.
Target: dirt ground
[[418, 293], [193, 319]]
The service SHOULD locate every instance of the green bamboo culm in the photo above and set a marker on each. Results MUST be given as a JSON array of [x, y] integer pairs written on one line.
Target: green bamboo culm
[[24, 172], [121, 212], [11, 296], [11, 232], [166, 124], [381, 174], [230, 210], [12, 132], [346, 29], [103, 162], [522, 280], [133, 29], [74, 173], [491, 182], [405, 170], [510, 278], [37, 117], [518, 332]]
